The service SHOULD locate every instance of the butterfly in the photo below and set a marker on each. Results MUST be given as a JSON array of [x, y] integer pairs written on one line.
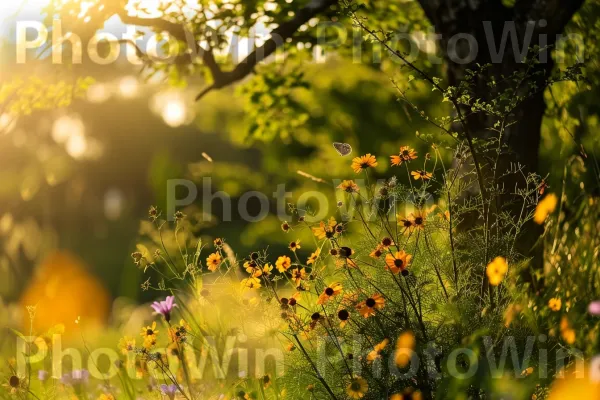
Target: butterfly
[[343, 149]]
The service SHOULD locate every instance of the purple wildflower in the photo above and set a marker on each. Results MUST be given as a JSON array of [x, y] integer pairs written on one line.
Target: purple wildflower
[[594, 307], [165, 307], [76, 377], [168, 390], [43, 375]]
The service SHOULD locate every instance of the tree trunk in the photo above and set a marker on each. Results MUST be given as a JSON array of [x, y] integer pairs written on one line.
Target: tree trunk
[[481, 32]]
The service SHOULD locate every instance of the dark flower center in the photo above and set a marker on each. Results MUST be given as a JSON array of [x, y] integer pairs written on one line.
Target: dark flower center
[[292, 302], [333, 252], [407, 223], [370, 302], [355, 386], [398, 263], [149, 332], [419, 220], [293, 245], [343, 315], [315, 316], [329, 234], [364, 165], [14, 381], [284, 300], [329, 291], [386, 242], [377, 253], [345, 252]]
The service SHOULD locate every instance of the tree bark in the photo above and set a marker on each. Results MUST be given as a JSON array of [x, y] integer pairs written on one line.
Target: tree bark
[[502, 36]]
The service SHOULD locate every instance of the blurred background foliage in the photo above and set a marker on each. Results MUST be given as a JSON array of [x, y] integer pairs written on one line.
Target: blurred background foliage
[[86, 149]]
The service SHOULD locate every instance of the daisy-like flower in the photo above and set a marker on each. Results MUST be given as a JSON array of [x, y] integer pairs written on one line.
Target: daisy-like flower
[[213, 261], [285, 227], [267, 268], [178, 333], [313, 257], [555, 304], [408, 393], [343, 316], [545, 208], [386, 242], [406, 154], [349, 186], [406, 223], [169, 390], [421, 174], [357, 388], [298, 275], [375, 353], [377, 252], [149, 331], [266, 381], [251, 283], [295, 245], [16, 385], [126, 344], [363, 162], [330, 292], [218, 242], [397, 262], [496, 270], [164, 307], [325, 230], [370, 306], [419, 218], [283, 263]]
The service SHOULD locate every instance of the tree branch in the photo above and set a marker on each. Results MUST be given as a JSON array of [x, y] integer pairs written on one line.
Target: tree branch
[[278, 38]]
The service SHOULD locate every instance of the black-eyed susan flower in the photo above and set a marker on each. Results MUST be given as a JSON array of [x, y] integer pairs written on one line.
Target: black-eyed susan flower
[[343, 316], [361, 163], [213, 261], [349, 186], [377, 349], [377, 252], [178, 333], [16, 385], [149, 331], [267, 269], [370, 306], [218, 242], [295, 245], [251, 283], [325, 230], [357, 388], [298, 275], [545, 208], [496, 270], [421, 174], [285, 226], [406, 223], [398, 261], [266, 381], [283, 263], [126, 344], [386, 242], [555, 304], [330, 292], [406, 154], [313, 257]]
